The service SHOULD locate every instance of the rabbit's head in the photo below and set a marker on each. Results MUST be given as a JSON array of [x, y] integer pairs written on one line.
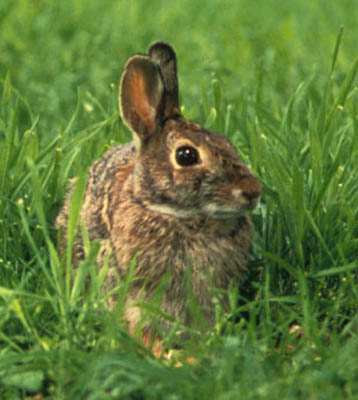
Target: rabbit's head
[[181, 169]]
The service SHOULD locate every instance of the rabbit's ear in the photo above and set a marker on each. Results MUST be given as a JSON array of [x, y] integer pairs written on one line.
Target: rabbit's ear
[[165, 57], [141, 97]]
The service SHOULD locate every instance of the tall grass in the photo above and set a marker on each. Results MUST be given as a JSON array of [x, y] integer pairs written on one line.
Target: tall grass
[[281, 81]]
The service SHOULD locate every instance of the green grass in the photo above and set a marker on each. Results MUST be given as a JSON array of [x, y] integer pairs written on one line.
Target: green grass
[[280, 79]]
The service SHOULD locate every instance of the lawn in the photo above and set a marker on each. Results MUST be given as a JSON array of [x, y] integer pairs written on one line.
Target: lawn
[[280, 80]]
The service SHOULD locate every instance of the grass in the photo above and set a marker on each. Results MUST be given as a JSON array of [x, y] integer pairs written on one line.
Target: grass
[[281, 81]]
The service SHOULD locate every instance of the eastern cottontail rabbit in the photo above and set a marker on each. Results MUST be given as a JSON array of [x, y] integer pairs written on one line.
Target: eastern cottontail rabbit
[[175, 198]]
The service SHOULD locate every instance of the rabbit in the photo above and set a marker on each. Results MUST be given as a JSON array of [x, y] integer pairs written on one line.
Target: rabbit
[[175, 199]]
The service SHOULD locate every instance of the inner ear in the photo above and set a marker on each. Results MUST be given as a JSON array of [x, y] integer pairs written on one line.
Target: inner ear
[[141, 96]]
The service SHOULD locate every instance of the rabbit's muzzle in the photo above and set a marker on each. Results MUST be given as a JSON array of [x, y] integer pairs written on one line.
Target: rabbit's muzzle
[[249, 192]]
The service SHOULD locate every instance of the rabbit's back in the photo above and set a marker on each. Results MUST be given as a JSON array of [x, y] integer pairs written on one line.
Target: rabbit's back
[[115, 164]]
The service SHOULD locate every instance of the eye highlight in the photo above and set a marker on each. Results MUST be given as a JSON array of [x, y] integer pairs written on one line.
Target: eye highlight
[[186, 156]]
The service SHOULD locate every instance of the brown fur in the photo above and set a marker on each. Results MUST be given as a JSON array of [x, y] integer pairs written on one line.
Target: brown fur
[[140, 202]]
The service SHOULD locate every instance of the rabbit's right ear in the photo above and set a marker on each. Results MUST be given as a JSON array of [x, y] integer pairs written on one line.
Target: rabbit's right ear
[[141, 97]]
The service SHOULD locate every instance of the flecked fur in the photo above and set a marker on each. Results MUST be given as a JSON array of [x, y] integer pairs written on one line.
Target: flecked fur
[[176, 220]]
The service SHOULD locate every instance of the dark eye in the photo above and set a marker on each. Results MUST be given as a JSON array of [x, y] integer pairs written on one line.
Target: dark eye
[[186, 156]]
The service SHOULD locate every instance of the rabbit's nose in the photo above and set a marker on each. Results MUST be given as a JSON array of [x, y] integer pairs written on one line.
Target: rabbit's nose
[[251, 189]]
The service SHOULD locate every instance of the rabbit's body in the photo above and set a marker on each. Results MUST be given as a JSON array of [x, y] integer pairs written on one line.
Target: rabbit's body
[[175, 199]]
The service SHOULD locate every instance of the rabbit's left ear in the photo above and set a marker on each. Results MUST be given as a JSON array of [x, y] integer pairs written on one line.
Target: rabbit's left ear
[[141, 97]]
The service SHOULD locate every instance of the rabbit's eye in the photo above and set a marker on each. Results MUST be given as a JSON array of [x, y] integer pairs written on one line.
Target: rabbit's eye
[[186, 156]]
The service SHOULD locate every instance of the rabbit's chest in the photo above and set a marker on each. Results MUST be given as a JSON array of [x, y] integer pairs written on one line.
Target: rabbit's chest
[[163, 246], [191, 261]]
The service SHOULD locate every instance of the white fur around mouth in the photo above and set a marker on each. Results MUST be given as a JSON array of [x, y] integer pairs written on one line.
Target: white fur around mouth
[[244, 202], [236, 193]]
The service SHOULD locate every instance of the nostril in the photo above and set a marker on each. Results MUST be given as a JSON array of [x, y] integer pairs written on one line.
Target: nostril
[[251, 188]]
